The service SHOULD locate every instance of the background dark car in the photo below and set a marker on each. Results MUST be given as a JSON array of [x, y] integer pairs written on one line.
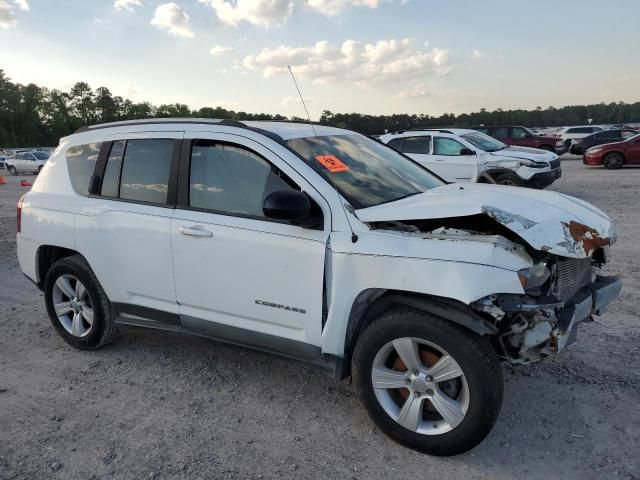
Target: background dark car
[[520, 136], [580, 145]]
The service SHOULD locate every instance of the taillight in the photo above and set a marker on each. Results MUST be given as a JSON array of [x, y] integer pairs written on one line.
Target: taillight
[[19, 212]]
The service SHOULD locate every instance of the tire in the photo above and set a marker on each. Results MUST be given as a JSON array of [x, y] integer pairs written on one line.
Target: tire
[[67, 272], [613, 161], [509, 179], [12, 170], [479, 388], [39, 170]]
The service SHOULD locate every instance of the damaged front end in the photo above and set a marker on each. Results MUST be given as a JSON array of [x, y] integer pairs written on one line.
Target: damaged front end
[[560, 293]]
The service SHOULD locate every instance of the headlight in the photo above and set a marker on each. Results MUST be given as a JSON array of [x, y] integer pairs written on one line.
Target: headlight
[[532, 164], [534, 277], [593, 150]]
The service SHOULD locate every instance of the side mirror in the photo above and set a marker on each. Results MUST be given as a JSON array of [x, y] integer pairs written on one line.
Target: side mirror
[[467, 151], [287, 205]]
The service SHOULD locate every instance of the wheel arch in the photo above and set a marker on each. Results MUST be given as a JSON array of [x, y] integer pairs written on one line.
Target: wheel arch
[[46, 256], [624, 157], [493, 173], [371, 303]]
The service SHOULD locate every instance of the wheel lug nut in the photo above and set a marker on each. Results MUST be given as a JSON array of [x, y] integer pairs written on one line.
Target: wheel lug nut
[[429, 392], [416, 394], [429, 378]]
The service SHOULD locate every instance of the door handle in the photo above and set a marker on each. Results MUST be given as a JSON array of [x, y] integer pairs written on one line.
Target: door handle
[[195, 231]]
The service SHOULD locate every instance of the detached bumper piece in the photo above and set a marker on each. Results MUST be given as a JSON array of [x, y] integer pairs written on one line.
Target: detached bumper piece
[[548, 327]]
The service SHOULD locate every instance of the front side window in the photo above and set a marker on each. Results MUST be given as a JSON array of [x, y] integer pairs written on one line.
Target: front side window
[[417, 145], [446, 146], [81, 162], [365, 172], [628, 134], [41, 155], [145, 170], [231, 179]]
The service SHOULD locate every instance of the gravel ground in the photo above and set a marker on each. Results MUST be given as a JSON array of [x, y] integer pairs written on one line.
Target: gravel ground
[[162, 406]]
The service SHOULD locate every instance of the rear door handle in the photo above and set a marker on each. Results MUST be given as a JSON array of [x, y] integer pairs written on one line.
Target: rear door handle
[[195, 231]]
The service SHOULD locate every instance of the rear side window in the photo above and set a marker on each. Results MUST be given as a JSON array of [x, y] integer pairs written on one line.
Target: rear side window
[[501, 132], [145, 170], [396, 144], [138, 170], [81, 161], [419, 145], [231, 179]]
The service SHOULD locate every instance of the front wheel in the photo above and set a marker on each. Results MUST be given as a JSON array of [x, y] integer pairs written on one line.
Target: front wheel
[[428, 383], [613, 161], [509, 179], [12, 170]]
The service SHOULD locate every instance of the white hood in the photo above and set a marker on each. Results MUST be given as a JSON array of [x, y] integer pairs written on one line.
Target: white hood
[[548, 221], [521, 153]]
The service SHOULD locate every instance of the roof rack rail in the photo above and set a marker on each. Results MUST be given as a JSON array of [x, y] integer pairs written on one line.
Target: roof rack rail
[[183, 121], [425, 129]]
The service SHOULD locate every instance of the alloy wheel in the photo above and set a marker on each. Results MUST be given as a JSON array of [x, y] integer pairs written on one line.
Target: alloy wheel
[[72, 305], [420, 386]]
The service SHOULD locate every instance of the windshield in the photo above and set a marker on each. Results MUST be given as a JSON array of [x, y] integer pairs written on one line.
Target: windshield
[[41, 155], [365, 172], [483, 141]]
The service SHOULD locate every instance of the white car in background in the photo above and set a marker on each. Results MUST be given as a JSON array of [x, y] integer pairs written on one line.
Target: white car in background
[[464, 155], [26, 162], [566, 134]]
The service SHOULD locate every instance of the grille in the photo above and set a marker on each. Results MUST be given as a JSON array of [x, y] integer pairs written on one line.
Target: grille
[[572, 275], [554, 164]]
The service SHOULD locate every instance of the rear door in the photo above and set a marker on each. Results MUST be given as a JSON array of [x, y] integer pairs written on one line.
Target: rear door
[[449, 163], [503, 134], [125, 230]]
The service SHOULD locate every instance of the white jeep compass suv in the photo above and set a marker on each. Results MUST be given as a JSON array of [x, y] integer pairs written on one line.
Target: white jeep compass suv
[[321, 245], [464, 155]]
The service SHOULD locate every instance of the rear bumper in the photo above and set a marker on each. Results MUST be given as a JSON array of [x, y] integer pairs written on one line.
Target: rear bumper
[[544, 179]]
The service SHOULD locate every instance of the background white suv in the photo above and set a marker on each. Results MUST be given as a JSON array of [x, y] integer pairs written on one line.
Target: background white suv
[[464, 155], [566, 134], [320, 245], [26, 162]]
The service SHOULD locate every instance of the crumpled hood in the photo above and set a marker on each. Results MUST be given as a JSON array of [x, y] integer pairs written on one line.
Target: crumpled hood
[[548, 221], [525, 153]]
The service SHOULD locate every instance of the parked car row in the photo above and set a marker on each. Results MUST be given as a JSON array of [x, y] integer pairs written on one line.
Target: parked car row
[[466, 155], [25, 162]]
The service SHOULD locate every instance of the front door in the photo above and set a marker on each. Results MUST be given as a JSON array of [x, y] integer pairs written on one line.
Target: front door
[[240, 275], [633, 152], [448, 162]]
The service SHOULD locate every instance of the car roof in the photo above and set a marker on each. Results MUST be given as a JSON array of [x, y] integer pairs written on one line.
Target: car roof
[[283, 130], [430, 131]]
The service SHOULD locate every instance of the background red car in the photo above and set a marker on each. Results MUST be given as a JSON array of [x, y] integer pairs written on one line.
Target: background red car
[[614, 155], [520, 136]]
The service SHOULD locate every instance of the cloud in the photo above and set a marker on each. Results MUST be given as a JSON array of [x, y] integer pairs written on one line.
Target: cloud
[[127, 4], [7, 17], [336, 7], [220, 50], [262, 13], [295, 100], [171, 17], [22, 5], [364, 63], [477, 55], [417, 91]]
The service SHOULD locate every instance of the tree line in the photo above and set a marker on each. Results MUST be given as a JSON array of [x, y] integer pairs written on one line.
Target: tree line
[[37, 116]]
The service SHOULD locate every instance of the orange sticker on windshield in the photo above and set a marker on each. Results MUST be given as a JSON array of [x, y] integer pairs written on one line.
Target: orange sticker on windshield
[[332, 163]]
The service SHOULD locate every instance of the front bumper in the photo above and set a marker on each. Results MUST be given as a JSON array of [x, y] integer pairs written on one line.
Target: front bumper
[[544, 179], [546, 326]]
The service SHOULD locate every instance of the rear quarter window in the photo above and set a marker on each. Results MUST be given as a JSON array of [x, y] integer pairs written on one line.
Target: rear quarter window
[[81, 161]]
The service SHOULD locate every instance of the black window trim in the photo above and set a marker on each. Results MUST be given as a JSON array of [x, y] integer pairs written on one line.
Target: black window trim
[[430, 137], [172, 186], [184, 181]]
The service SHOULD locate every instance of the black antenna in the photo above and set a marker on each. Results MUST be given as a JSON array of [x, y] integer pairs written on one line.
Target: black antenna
[[302, 100]]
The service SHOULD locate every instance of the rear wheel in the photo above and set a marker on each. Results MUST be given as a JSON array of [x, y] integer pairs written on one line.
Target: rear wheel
[[12, 170], [613, 160], [427, 383], [509, 179], [77, 305]]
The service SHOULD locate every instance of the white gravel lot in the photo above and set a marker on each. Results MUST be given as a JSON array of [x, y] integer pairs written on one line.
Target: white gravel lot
[[163, 406]]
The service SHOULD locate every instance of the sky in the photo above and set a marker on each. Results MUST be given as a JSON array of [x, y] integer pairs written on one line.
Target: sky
[[366, 56]]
